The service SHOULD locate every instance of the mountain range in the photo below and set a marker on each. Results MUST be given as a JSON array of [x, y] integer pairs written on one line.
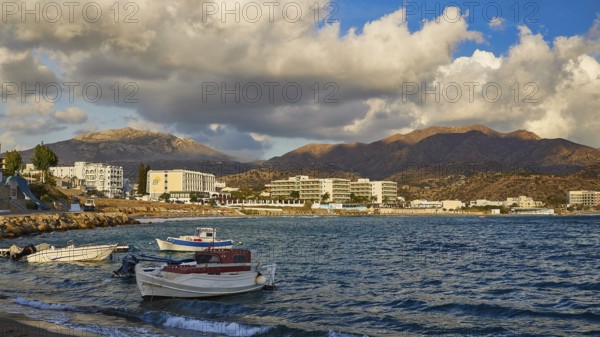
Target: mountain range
[[474, 147], [128, 147], [444, 149]]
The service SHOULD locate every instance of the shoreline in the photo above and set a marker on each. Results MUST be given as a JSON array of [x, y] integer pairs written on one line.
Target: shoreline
[[20, 325], [20, 225]]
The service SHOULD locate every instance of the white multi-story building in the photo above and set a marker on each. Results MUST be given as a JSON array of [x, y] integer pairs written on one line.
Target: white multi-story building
[[484, 202], [334, 189], [426, 204], [380, 191], [584, 198], [104, 178], [449, 205], [179, 184], [523, 201]]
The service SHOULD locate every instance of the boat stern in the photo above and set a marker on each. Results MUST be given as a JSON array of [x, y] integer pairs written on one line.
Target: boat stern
[[266, 276]]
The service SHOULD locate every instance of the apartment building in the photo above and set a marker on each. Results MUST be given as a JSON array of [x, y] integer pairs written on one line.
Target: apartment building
[[104, 178], [337, 190], [584, 198], [382, 191], [180, 184]]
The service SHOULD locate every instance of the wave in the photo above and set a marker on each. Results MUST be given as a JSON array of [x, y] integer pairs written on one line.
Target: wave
[[232, 329], [49, 306], [332, 333]]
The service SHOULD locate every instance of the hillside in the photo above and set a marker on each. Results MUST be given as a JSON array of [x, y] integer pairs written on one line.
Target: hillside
[[435, 152], [128, 147], [549, 188], [447, 147], [256, 179]]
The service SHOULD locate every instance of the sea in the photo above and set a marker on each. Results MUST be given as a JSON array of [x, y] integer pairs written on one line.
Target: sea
[[338, 277]]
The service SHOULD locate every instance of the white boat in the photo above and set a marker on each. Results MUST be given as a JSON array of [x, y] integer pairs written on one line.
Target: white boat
[[203, 239], [72, 253], [216, 272]]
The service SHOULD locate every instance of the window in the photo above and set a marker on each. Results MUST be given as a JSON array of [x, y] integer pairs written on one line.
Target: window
[[239, 259], [207, 258]]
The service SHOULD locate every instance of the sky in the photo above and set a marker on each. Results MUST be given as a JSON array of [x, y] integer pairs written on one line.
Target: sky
[[258, 79]]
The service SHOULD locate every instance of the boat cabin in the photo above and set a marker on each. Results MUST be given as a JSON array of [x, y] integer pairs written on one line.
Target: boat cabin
[[223, 256], [206, 233], [214, 262]]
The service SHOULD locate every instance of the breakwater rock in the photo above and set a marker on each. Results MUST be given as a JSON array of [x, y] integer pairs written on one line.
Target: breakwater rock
[[15, 226]]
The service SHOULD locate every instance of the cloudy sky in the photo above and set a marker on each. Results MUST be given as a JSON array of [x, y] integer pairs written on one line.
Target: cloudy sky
[[258, 79]]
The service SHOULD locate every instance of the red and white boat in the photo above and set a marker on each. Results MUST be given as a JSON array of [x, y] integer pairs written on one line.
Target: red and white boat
[[215, 272]]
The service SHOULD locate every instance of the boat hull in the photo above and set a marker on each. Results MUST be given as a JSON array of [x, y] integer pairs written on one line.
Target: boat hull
[[154, 283], [192, 246], [73, 254]]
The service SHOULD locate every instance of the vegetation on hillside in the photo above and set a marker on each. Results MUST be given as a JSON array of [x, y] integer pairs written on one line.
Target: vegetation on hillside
[[47, 193], [431, 185], [551, 189]]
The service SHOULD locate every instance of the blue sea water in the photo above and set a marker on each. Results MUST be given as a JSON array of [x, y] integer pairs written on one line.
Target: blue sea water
[[345, 276]]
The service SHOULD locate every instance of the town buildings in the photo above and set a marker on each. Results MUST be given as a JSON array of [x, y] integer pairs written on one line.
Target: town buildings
[[449, 205], [520, 201], [334, 190], [104, 178], [179, 184]]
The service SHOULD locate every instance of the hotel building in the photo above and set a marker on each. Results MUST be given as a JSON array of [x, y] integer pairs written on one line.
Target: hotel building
[[104, 178], [309, 189], [584, 198], [384, 191], [180, 184], [337, 189]]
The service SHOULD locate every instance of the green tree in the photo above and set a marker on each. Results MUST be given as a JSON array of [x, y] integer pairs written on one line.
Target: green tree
[[43, 159], [325, 197], [295, 195], [164, 196], [142, 178], [13, 162]]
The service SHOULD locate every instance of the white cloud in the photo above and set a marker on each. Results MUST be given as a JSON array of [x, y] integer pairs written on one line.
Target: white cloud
[[141, 124], [72, 115], [497, 23]]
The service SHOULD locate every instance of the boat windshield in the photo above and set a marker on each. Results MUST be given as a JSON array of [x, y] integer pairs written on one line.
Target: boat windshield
[[207, 258]]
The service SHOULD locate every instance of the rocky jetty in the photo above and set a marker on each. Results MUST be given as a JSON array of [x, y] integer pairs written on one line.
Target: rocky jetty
[[172, 211], [15, 226]]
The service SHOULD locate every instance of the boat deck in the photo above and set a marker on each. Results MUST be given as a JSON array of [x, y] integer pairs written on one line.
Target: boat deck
[[121, 248]]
